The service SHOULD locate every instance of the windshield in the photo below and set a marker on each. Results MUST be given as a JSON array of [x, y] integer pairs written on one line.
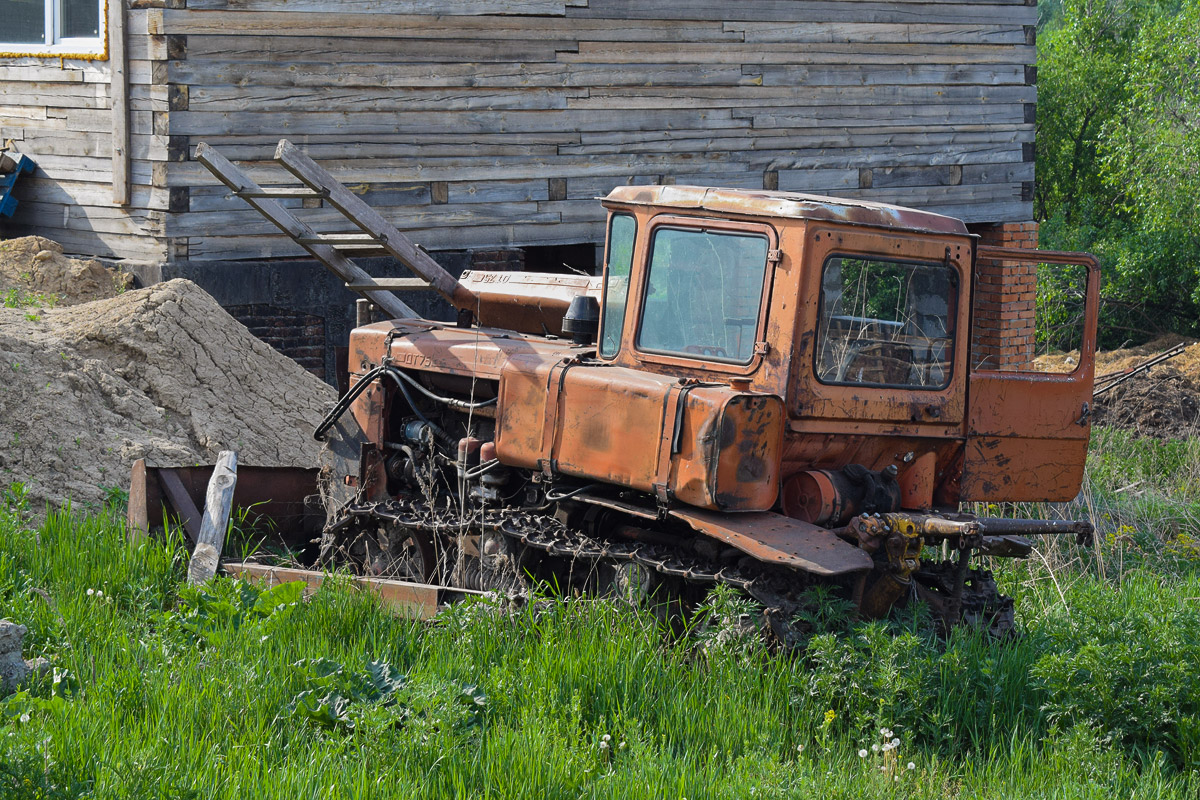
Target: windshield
[[703, 294]]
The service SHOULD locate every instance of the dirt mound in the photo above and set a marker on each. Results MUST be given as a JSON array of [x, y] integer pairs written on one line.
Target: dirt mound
[[1164, 403], [36, 265], [162, 373]]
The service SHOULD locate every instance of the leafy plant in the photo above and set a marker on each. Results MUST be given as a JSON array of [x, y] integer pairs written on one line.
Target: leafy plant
[[212, 612], [379, 696]]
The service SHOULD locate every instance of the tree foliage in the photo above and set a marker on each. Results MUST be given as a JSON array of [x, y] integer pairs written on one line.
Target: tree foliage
[[1118, 154]]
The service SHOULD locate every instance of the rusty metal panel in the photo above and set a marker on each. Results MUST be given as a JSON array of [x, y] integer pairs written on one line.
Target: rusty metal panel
[[412, 600], [751, 441], [271, 496], [1022, 470], [785, 204], [776, 539], [609, 424], [1027, 432], [867, 408], [522, 411], [530, 302]]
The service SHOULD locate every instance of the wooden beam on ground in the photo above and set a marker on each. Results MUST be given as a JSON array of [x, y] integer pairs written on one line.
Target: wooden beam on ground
[[411, 600], [177, 494], [217, 505], [137, 509], [283, 219]]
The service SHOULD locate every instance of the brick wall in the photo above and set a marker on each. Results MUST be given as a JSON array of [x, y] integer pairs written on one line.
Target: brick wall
[[509, 260], [1005, 300], [298, 336]]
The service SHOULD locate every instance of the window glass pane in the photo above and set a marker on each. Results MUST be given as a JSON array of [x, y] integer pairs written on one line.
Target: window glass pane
[[886, 323], [80, 19], [621, 233], [1028, 317], [23, 21], [703, 294]]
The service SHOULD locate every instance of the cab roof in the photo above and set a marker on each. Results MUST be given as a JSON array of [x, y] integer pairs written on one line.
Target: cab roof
[[766, 203]]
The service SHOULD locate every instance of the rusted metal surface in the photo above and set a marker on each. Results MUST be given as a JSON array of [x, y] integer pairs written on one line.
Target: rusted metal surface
[[529, 302], [791, 205], [1027, 432], [776, 539], [272, 497], [706, 445], [412, 600]]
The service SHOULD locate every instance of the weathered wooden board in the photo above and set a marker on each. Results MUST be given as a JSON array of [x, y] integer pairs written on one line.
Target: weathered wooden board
[[483, 123], [776, 11]]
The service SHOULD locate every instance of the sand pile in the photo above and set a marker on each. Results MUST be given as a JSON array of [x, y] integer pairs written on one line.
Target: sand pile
[[162, 373], [35, 265]]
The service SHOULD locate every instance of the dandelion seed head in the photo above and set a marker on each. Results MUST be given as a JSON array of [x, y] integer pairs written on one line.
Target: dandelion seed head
[[604, 745], [91, 592], [799, 748], [862, 753], [896, 742], [25, 717], [911, 765], [885, 733], [875, 747], [605, 738]]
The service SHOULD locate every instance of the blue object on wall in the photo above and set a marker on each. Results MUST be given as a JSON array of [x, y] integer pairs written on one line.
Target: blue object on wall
[[8, 203]]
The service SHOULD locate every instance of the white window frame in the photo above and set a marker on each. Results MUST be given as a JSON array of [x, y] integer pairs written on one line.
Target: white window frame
[[53, 43]]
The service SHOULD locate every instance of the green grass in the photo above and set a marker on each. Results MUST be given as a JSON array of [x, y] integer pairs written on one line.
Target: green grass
[[165, 692]]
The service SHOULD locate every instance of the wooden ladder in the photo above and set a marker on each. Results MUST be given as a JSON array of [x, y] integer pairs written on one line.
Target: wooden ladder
[[374, 234]]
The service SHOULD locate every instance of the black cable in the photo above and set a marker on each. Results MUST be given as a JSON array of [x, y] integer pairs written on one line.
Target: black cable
[[344, 402], [554, 498]]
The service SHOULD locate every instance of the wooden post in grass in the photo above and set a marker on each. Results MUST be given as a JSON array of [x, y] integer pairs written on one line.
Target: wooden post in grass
[[217, 505]]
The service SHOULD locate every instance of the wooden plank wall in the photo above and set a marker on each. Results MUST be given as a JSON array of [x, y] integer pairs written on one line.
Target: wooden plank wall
[[488, 123], [59, 112]]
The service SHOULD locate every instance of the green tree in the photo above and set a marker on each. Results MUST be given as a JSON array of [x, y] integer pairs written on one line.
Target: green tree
[[1082, 58], [1152, 142], [1118, 148]]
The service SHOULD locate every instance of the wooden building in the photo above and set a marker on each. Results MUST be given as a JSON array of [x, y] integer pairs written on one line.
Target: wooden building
[[486, 128]]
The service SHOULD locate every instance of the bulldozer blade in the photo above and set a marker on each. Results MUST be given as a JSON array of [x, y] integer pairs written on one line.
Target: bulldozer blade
[[776, 539], [410, 600], [271, 498]]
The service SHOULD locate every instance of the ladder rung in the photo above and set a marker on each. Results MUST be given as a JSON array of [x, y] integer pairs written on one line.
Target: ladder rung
[[355, 239], [282, 192], [392, 284]]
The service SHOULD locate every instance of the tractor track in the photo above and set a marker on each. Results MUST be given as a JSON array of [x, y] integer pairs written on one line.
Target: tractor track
[[780, 594]]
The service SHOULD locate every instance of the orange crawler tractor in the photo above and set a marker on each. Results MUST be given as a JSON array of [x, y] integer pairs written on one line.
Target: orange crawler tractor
[[765, 389]]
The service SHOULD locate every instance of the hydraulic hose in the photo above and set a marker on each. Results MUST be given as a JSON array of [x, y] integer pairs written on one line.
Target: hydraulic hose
[[398, 376], [453, 402], [344, 402]]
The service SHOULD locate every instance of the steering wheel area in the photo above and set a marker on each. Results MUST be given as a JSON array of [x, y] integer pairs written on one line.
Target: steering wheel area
[[705, 350]]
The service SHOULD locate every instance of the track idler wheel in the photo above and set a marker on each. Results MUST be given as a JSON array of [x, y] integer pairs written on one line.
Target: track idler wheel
[[383, 549]]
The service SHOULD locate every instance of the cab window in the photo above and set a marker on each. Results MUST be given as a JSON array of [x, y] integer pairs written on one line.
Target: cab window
[[703, 294], [622, 231], [887, 323]]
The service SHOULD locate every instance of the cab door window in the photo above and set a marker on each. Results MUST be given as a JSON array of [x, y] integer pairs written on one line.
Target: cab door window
[[887, 323]]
